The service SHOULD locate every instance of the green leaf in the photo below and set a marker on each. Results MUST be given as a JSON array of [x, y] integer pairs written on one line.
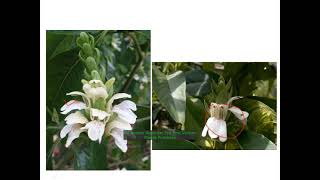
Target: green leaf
[[91, 157], [262, 119], [268, 101], [66, 44], [252, 141], [143, 36], [244, 75], [197, 83], [143, 118], [171, 91], [195, 116], [55, 116], [64, 74], [173, 145]]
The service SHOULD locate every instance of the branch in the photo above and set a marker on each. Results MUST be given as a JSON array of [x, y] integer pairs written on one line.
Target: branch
[[140, 57]]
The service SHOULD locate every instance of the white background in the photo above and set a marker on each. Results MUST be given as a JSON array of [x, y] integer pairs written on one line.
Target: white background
[[202, 30]]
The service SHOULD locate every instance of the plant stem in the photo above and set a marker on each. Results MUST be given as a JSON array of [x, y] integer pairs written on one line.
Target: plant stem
[[140, 57]]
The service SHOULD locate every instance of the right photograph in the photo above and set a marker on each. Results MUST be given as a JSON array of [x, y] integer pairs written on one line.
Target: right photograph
[[214, 106]]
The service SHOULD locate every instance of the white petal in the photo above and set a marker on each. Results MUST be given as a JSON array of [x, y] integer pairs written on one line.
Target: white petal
[[125, 114], [233, 98], [86, 88], [95, 130], [65, 130], [222, 130], [98, 92], [205, 128], [238, 113], [118, 123], [118, 137], [122, 145], [219, 128], [114, 97], [77, 93], [99, 113], [212, 134], [223, 139], [127, 104], [212, 128], [204, 131], [73, 134], [76, 117], [72, 105]]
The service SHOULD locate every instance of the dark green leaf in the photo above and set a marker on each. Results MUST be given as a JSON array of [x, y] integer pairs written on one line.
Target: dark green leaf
[[66, 44], [143, 120], [64, 74], [252, 141], [197, 83], [91, 157], [195, 116], [268, 101], [171, 91]]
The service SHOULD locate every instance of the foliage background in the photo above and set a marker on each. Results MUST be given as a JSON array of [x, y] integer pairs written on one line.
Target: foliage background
[[182, 90], [125, 56]]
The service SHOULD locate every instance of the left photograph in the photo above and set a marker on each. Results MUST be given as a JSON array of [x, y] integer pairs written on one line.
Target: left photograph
[[97, 90]]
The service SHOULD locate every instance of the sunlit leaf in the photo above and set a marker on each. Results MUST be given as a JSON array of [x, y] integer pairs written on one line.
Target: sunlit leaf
[[262, 119]]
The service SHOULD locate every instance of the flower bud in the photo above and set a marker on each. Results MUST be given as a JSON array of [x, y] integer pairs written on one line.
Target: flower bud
[[90, 64], [83, 38], [87, 50]]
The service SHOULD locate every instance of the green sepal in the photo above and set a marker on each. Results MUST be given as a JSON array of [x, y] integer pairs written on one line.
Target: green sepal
[[109, 86], [95, 75]]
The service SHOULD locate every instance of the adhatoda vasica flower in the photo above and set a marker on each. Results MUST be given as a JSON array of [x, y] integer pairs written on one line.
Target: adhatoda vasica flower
[[216, 125], [111, 119], [97, 115], [220, 103]]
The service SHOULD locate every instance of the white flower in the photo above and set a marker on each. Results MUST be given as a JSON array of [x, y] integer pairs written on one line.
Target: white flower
[[73, 128], [122, 121], [113, 120], [97, 113], [95, 130], [95, 89], [216, 125]]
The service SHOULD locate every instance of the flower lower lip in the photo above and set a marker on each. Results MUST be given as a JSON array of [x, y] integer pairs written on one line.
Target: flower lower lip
[[237, 134]]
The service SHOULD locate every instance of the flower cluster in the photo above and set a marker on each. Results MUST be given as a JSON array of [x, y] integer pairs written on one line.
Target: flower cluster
[[97, 115]]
